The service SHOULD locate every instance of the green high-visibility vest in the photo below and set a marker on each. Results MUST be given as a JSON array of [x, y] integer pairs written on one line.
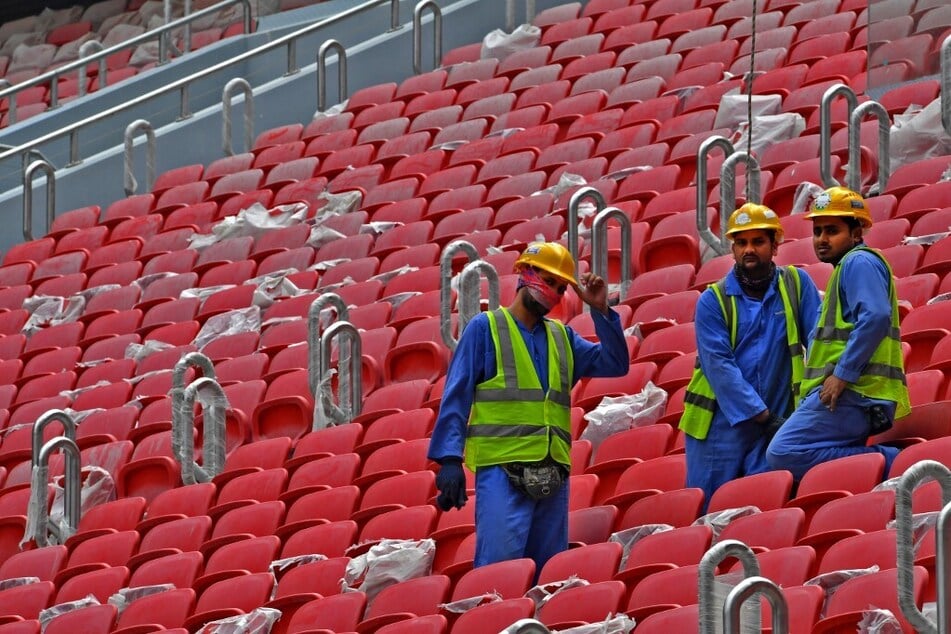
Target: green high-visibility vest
[[884, 375], [512, 418], [699, 400]]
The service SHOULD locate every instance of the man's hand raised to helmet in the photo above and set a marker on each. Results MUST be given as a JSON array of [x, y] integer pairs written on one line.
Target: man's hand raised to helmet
[[593, 292]]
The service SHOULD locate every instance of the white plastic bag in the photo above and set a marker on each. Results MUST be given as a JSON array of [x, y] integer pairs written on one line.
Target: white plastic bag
[[388, 562], [620, 413], [498, 44]]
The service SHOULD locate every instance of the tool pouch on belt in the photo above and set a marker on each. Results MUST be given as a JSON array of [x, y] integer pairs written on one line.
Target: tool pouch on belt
[[878, 419], [537, 480]]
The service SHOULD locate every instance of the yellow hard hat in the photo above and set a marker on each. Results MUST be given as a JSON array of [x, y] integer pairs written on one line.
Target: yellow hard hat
[[551, 257], [754, 216], [841, 202]]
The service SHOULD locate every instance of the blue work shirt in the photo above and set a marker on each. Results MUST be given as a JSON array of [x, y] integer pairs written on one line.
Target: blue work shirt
[[473, 362], [864, 282], [757, 373]]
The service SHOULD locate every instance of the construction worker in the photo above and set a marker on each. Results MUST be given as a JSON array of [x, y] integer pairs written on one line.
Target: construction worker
[[506, 405], [751, 334], [854, 384]]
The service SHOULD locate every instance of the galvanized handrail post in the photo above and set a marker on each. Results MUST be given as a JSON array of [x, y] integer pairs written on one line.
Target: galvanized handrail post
[[581, 194], [181, 427], [599, 246], [717, 243], [854, 177], [213, 405], [708, 565], [942, 570], [350, 382], [52, 416], [47, 169], [745, 590], [825, 129], [395, 15], [128, 179], [510, 13], [469, 303], [90, 48], [315, 334], [445, 286], [526, 626], [227, 97], [728, 182], [325, 48], [418, 34], [905, 545], [71, 488], [946, 84]]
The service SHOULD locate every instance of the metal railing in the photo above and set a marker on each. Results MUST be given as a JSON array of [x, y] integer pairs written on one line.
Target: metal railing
[[182, 425], [469, 303], [580, 195], [227, 95], [50, 173], [162, 33], [599, 246], [914, 476], [705, 581], [129, 183], [214, 404], [418, 34], [452, 249], [39, 481]]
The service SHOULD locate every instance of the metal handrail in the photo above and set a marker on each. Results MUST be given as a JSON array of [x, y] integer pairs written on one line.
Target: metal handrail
[[942, 554], [72, 484], [52, 416], [445, 286], [854, 177], [708, 565], [81, 63], [183, 83], [213, 403], [745, 590], [28, 196], [599, 246], [226, 102], [128, 180], [418, 34], [916, 474], [510, 13], [350, 383], [469, 303], [322, 72], [946, 84], [717, 243], [315, 333], [573, 204], [825, 129], [181, 431]]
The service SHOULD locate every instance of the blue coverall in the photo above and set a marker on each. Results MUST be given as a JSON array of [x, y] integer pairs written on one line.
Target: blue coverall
[[753, 376], [509, 524], [813, 434]]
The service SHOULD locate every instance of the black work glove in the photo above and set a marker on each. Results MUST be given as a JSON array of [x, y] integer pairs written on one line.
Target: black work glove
[[772, 425], [451, 482]]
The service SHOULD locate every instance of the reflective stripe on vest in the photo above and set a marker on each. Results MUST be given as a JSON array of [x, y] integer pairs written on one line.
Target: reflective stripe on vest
[[513, 419], [884, 375], [699, 399]]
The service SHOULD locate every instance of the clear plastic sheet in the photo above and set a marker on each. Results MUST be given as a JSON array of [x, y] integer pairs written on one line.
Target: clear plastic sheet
[[332, 111], [565, 182], [718, 520], [48, 614], [16, 582], [97, 487], [321, 235], [928, 239], [879, 621], [804, 195], [204, 292], [280, 566], [125, 596], [616, 624], [254, 221], [386, 276], [542, 593], [337, 204], [396, 300], [146, 280], [50, 310], [830, 581], [72, 394], [380, 227], [464, 605], [498, 44], [917, 136], [272, 287], [921, 524], [630, 536], [257, 621], [139, 351], [36, 507], [734, 105], [230, 323], [768, 130], [326, 265], [619, 413], [943, 297], [214, 405], [387, 562]]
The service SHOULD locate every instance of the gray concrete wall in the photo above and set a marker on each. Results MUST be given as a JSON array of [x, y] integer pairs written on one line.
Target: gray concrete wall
[[375, 54]]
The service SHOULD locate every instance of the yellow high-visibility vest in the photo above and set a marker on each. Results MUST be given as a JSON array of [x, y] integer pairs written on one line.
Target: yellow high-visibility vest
[[513, 419]]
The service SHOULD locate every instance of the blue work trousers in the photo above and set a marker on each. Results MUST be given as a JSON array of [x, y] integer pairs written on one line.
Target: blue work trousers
[[511, 525], [728, 452]]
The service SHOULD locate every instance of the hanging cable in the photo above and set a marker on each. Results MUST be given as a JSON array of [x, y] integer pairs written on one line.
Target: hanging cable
[[749, 102]]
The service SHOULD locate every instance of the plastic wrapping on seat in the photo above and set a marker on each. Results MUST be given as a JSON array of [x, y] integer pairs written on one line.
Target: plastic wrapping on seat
[[630, 536], [387, 562], [718, 520], [257, 621], [50, 613], [125, 596], [616, 414]]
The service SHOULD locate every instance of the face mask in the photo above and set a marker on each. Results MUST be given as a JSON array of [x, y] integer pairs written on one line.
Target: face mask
[[541, 292]]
